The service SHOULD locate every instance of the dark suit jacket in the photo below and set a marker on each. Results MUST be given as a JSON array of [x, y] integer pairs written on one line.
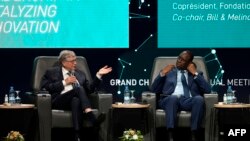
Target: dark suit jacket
[[52, 81], [166, 85]]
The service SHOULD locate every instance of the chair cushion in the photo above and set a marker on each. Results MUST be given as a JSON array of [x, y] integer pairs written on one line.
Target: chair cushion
[[184, 118], [63, 119]]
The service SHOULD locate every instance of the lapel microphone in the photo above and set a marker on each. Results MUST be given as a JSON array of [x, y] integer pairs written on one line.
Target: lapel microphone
[[72, 73]]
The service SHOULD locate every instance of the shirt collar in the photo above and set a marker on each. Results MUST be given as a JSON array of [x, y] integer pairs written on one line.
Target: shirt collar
[[185, 71], [64, 71]]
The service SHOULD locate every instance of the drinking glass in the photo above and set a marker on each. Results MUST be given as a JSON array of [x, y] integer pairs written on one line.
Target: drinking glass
[[132, 98], [234, 97], [18, 99]]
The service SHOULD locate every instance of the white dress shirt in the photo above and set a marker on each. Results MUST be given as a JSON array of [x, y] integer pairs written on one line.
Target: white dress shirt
[[179, 88], [66, 87]]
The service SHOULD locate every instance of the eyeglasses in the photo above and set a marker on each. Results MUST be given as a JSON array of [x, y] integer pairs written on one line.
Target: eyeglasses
[[71, 61]]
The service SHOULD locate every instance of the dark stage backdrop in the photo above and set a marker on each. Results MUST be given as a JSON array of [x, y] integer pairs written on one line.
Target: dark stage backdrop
[[133, 63], [16, 68]]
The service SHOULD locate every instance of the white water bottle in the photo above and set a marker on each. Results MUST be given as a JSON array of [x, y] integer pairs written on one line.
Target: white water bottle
[[225, 99], [126, 95], [6, 98], [12, 99], [229, 95]]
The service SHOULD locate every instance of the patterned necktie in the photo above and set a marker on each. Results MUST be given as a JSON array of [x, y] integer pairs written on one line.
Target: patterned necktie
[[69, 73], [184, 84]]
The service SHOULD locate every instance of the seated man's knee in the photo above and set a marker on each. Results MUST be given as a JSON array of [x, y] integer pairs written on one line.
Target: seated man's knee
[[80, 89], [173, 97], [198, 99], [169, 100]]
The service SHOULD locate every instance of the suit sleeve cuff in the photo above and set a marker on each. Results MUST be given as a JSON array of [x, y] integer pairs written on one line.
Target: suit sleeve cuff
[[64, 83], [196, 75], [98, 76], [161, 74]]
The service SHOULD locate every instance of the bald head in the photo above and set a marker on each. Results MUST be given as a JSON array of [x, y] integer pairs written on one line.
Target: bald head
[[184, 59]]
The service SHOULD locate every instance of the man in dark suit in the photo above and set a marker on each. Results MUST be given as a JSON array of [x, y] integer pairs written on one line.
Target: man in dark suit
[[182, 89], [69, 88]]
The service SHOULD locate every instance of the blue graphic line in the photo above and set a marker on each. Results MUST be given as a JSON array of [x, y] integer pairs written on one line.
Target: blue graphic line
[[218, 72], [121, 73], [207, 55], [139, 16], [140, 6], [219, 75], [217, 59], [151, 35], [125, 62], [140, 3], [123, 66], [119, 88], [210, 60], [121, 63]]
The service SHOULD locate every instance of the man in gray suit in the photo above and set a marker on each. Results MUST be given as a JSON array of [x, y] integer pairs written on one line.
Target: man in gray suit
[[69, 87], [182, 88]]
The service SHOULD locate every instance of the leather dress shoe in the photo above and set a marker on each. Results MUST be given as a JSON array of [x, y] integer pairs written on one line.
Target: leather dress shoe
[[171, 136], [77, 137], [194, 136]]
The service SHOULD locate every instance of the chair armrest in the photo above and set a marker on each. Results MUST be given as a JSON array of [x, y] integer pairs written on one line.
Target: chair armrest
[[105, 102], [210, 100], [45, 116], [149, 98], [93, 98], [101, 101], [104, 105]]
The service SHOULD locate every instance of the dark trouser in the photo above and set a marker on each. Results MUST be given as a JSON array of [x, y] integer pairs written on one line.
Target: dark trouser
[[75, 100], [172, 105]]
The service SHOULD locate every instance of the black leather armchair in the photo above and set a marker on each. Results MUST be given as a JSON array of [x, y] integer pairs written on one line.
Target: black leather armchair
[[184, 118], [52, 118]]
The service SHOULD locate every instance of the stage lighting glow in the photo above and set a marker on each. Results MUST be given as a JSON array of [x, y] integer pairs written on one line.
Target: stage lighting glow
[[213, 51]]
